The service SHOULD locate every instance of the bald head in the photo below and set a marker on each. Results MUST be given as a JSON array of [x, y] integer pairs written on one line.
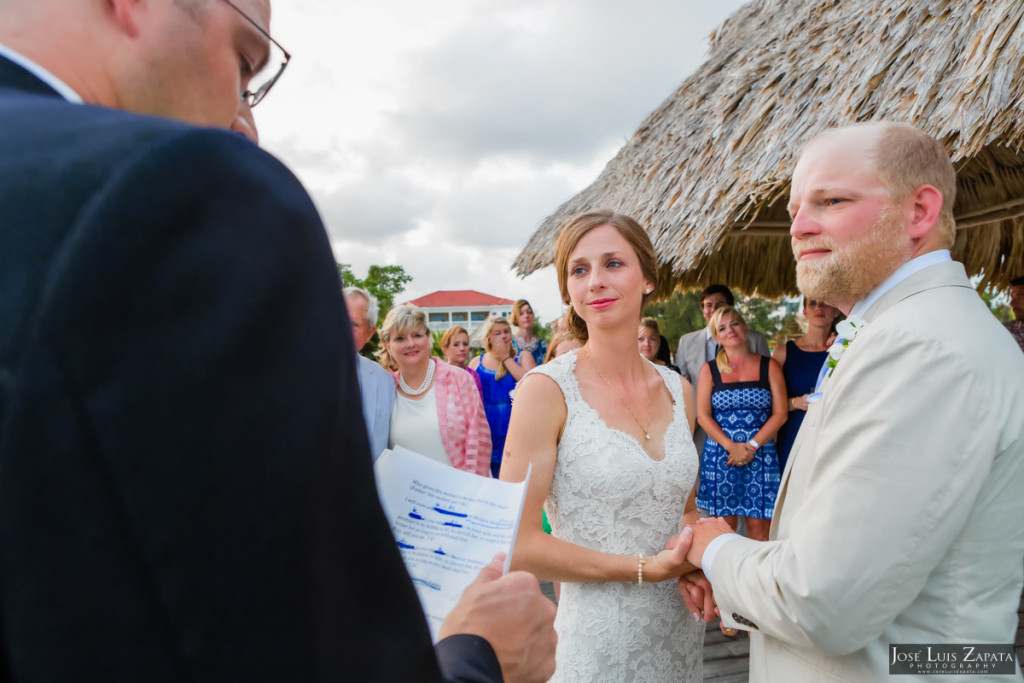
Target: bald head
[[864, 200], [181, 59], [904, 159]]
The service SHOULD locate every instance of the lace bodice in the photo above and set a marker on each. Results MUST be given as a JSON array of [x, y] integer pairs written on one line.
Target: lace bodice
[[609, 495]]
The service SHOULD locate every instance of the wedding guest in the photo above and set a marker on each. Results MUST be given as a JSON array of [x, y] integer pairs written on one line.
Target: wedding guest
[[608, 436], [561, 344], [801, 360], [455, 347], [741, 403], [376, 385], [1016, 326], [499, 368], [649, 341], [438, 412], [698, 347], [522, 320]]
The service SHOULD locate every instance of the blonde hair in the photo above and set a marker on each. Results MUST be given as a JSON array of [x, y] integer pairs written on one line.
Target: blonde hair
[[399, 319], [485, 333], [651, 324], [571, 235], [722, 358]]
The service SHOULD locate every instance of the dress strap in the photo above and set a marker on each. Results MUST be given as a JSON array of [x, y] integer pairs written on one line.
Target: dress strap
[[765, 360], [716, 375]]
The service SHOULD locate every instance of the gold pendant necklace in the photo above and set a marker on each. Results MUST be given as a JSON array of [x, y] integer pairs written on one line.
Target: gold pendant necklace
[[646, 430]]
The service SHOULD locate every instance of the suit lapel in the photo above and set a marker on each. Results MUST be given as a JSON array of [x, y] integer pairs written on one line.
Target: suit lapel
[[949, 274], [18, 78]]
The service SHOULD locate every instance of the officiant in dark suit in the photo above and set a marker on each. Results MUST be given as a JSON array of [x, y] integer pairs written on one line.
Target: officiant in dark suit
[[185, 484]]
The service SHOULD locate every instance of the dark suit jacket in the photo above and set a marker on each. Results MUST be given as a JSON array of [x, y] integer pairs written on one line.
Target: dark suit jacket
[[185, 487]]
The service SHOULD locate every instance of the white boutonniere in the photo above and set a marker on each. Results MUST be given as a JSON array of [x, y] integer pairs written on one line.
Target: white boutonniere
[[847, 331]]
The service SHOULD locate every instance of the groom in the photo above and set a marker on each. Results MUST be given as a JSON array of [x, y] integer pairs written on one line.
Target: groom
[[898, 520]]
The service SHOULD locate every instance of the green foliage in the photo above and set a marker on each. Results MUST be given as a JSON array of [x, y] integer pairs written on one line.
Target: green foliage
[[677, 316], [681, 314], [997, 303], [384, 282], [435, 343], [766, 316]]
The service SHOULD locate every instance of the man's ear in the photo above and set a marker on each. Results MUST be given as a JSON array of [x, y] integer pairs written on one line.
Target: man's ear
[[127, 14], [925, 206]]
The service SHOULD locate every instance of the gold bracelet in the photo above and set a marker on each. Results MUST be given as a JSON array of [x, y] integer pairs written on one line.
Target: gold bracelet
[[640, 570]]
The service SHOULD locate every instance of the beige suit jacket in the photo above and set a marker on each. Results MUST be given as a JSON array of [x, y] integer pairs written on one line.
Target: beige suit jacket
[[900, 518]]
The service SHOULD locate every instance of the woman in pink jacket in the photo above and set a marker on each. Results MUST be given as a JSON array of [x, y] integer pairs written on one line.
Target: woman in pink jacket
[[438, 412]]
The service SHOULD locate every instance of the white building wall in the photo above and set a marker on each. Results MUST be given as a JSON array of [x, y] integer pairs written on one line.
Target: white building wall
[[440, 319]]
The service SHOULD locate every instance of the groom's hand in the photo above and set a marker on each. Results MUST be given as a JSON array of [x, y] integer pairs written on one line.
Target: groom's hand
[[698, 596], [705, 531]]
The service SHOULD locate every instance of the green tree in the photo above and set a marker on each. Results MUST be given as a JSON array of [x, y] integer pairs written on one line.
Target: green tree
[[681, 314], [997, 303], [384, 282], [677, 316], [766, 316]]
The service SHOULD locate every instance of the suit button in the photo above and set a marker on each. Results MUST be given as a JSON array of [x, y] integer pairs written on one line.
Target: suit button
[[743, 620]]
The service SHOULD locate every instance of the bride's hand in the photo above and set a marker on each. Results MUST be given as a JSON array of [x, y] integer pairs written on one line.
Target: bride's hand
[[671, 562], [698, 595]]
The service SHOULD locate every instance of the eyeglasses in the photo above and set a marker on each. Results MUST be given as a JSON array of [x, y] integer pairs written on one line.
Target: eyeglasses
[[263, 80]]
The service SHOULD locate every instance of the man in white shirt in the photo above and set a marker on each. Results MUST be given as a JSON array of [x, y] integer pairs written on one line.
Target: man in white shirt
[[898, 518]]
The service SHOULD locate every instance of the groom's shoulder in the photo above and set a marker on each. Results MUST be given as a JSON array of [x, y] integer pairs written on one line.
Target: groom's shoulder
[[956, 324]]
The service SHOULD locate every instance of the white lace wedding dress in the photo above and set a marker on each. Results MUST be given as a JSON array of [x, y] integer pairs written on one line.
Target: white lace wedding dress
[[609, 495]]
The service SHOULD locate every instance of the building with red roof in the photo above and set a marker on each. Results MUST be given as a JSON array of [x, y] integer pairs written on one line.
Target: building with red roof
[[466, 307]]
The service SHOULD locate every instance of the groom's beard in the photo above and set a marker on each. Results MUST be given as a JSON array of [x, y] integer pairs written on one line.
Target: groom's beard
[[851, 271]]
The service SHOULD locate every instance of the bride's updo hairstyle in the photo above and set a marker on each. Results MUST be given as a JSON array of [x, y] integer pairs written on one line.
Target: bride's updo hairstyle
[[571, 236]]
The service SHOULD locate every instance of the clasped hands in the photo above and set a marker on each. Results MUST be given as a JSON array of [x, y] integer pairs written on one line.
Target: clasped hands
[[690, 546], [739, 454]]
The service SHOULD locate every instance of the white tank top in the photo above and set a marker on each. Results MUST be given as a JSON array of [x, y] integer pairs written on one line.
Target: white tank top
[[414, 426]]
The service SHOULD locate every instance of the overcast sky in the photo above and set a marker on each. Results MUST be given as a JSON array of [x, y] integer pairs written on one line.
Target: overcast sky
[[437, 135]]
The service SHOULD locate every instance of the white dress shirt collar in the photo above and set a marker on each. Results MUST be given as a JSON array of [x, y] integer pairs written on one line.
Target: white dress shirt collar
[[902, 273], [42, 74]]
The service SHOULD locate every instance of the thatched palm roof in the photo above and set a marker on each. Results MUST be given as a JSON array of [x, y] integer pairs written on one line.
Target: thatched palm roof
[[708, 171]]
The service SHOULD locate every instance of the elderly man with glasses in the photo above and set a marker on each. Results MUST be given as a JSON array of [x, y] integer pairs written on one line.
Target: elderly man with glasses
[[185, 487]]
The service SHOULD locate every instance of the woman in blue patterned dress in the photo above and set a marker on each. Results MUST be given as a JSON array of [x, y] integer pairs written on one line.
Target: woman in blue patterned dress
[[741, 403]]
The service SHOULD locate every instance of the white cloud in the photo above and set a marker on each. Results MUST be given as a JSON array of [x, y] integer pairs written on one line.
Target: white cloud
[[438, 135]]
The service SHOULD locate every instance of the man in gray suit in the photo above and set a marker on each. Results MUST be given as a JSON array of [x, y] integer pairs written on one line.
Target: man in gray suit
[[375, 383], [697, 348], [898, 520]]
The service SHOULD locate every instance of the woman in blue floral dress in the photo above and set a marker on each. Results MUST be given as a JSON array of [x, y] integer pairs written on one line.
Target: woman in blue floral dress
[[741, 403]]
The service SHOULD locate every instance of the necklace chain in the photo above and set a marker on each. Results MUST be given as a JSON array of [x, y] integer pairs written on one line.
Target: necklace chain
[[646, 430], [423, 387]]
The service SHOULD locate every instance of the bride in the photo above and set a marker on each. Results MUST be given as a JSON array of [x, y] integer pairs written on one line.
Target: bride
[[609, 436]]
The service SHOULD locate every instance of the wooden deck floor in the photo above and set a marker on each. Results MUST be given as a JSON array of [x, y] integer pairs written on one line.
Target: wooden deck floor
[[727, 660]]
